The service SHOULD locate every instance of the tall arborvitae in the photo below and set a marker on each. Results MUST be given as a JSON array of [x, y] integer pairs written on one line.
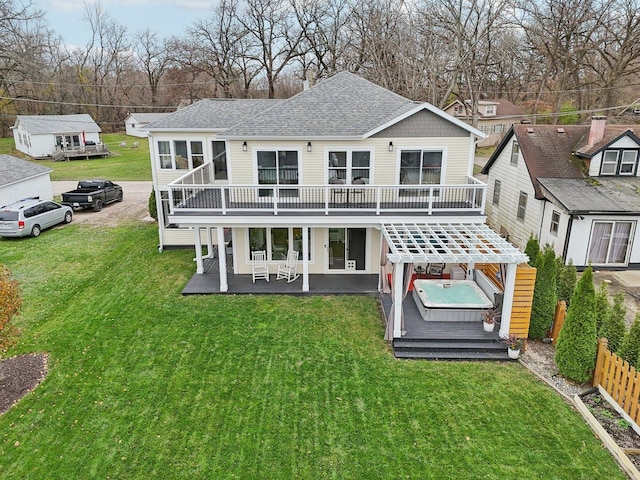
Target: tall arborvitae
[[532, 250], [613, 327], [544, 295], [567, 278], [631, 343], [603, 307], [577, 345]]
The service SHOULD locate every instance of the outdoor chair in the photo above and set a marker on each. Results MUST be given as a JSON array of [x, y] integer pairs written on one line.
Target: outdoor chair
[[259, 267], [288, 270], [435, 269]]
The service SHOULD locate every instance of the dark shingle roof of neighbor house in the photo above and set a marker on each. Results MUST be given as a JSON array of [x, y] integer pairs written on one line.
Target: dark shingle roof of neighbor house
[[547, 151], [13, 169], [611, 134], [212, 114], [344, 105], [594, 195], [42, 124], [506, 108]]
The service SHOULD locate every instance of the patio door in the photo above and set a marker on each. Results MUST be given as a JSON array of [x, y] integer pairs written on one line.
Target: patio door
[[609, 243], [347, 249]]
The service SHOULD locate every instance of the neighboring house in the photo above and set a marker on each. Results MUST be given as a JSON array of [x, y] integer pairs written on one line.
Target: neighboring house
[[347, 173], [43, 136], [576, 187], [495, 117], [135, 123], [21, 179]]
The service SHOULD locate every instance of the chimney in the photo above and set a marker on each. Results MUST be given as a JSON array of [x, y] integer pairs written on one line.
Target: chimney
[[305, 85], [596, 132]]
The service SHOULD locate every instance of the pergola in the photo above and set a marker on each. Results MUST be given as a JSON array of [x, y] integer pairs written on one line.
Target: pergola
[[459, 242]]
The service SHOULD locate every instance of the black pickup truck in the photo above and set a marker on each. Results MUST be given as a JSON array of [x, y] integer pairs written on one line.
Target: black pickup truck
[[93, 194]]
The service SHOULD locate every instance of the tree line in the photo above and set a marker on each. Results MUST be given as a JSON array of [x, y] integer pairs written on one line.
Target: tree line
[[547, 55]]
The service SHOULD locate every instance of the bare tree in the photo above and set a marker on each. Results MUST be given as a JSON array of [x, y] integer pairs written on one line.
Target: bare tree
[[153, 57]]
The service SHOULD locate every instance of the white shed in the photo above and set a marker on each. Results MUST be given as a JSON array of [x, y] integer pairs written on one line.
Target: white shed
[[21, 179], [136, 122], [43, 135]]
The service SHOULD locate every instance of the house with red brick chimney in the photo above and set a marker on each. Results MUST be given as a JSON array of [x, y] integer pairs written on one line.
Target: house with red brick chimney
[[575, 187]]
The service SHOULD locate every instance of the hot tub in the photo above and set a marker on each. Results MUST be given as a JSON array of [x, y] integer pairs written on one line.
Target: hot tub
[[450, 300]]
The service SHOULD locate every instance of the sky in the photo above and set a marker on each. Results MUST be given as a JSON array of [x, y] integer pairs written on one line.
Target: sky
[[167, 17]]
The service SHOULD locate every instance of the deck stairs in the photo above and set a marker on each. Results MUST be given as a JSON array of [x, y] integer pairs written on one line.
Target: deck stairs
[[464, 341]]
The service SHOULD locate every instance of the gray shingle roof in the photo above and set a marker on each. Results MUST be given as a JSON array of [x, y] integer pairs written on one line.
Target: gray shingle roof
[[148, 117], [595, 195], [14, 169], [344, 105], [42, 124], [211, 114]]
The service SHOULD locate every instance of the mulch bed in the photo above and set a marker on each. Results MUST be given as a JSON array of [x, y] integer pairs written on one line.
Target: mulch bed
[[617, 427], [19, 376]]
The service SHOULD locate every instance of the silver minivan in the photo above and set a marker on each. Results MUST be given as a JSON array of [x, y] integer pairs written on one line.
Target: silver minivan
[[30, 216]]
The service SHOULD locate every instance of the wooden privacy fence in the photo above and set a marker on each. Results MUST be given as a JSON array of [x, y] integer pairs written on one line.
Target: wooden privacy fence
[[619, 379]]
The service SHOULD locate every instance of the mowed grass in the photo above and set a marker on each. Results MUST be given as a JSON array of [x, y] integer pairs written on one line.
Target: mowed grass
[[124, 163], [145, 383]]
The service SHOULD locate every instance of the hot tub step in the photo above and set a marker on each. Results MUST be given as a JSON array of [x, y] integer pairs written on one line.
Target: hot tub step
[[454, 355]]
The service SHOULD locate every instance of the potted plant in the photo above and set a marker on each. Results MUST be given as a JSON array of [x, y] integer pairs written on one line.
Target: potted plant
[[514, 345], [489, 320]]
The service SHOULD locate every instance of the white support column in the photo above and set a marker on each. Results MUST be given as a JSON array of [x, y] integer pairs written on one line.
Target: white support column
[[198, 244], [398, 280], [470, 267], [222, 260], [305, 259], [209, 243], [507, 302]]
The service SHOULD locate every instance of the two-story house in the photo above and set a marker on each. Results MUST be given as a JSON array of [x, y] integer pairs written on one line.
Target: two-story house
[[494, 117], [350, 175], [575, 187]]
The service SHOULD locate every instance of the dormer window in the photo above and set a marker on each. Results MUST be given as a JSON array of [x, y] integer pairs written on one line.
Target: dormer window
[[490, 110], [619, 162]]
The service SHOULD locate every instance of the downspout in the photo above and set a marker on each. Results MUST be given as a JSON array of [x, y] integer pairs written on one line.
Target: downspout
[[544, 209], [566, 239]]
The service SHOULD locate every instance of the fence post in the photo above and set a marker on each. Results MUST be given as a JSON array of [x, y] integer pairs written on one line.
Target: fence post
[[603, 343], [558, 320]]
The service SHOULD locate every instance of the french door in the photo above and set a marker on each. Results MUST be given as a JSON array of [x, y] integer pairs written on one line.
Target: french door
[[347, 249]]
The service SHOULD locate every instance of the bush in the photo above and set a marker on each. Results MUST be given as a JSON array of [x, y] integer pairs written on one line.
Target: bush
[[10, 302], [603, 307], [567, 278], [153, 208], [532, 250], [577, 344], [544, 295], [631, 343], [613, 327]]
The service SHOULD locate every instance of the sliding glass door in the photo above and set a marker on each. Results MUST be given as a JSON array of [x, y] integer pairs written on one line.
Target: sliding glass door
[[610, 241]]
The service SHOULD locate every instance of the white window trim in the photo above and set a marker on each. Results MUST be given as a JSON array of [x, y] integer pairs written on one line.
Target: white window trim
[[444, 150], [269, 246], [254, 160], [206, 152], [511, 162], [349, 167], [632, 233], [618, 162], [524, 216], [557, 224]]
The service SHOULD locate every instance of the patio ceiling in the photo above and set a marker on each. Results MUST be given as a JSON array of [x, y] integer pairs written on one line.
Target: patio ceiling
[[448, 243]]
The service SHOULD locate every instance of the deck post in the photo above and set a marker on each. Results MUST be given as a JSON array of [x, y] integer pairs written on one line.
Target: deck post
[[507, 303], [209, 244], [398, 280], [305, 259], [198, 244], [222, 259], [470, 267]]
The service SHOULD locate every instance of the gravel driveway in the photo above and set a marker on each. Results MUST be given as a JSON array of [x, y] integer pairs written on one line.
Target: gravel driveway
[[134, 205]]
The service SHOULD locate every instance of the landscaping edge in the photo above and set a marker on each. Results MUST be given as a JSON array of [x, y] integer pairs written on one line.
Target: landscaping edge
[[601, 433]]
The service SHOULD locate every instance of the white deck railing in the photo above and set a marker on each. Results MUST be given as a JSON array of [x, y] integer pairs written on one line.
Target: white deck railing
[[193, 193]]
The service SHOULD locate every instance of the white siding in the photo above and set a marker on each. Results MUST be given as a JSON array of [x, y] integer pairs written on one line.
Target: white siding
[[546, 237], [39, 186], [513, 179]]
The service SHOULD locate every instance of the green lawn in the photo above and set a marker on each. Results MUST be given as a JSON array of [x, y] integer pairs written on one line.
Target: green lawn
[[146, 383], [125, 163]]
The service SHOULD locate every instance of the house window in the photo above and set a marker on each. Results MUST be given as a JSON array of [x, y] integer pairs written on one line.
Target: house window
[[164, 154], [278, 168], [349, 166], [515, 153], [197, 154], [491, 110], [522, 206], [498, 128], [484, 129], [609, 242], [181, 155], [219, 160], [420, 167], [496, 192], [276, 242], [555, 222], [619, 162]]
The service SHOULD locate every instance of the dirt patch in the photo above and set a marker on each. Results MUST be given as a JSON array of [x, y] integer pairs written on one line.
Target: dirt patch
[[19, 376], [134, 206]]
